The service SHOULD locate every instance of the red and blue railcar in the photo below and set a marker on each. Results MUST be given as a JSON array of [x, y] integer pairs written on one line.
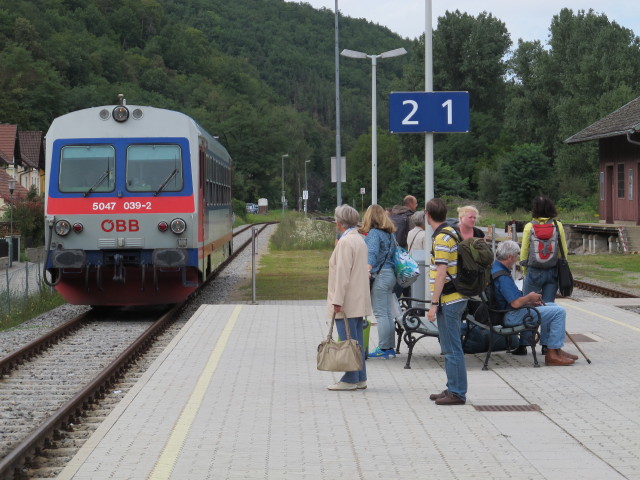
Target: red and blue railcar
[[138, 205]]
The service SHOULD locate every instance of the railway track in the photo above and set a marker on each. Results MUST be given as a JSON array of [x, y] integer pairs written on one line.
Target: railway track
[[49, 363], [599, 289]]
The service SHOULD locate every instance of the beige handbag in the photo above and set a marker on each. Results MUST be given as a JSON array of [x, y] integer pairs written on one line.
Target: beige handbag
[[345, 356]]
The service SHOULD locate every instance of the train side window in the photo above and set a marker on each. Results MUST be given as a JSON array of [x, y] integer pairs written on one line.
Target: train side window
[[84, 167], [150, 166]]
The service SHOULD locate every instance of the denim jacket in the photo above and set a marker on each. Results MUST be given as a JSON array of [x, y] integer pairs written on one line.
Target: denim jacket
[[380, 244]]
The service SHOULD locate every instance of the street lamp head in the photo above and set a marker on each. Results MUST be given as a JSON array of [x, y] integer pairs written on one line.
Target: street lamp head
[[393, 53], [12, 185], [353, 53], [307, 161]]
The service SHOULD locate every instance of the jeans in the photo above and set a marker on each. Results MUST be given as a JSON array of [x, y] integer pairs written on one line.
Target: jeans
[[544, 281], [356, 326], [552, 326], [381, 298], [449, 325]]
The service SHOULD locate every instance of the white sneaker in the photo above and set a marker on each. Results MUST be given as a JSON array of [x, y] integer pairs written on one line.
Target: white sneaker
[[361, 385], [343, 386]]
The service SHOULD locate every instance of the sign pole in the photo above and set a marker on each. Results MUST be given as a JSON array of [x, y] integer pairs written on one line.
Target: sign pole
[[428, 137]]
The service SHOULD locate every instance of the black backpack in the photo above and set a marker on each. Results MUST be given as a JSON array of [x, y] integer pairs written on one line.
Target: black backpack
[[401, 222], [484, 311]]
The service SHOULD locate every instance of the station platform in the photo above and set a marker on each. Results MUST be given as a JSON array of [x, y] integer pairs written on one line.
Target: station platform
[[236, 395]]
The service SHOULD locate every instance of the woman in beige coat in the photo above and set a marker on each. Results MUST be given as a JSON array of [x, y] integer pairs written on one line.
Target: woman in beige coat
[[348, 289]]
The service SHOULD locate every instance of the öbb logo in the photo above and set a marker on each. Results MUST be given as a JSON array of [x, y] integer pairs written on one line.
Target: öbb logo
[[120, 225]]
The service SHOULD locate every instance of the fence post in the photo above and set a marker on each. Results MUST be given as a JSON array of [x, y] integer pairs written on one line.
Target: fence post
[[26, 280], [8, 291]]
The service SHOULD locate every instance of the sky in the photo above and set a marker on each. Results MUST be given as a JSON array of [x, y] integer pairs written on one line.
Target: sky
[[529, 20]]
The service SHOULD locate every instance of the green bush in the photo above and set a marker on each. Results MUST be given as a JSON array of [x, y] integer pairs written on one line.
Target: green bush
[[239, 210]]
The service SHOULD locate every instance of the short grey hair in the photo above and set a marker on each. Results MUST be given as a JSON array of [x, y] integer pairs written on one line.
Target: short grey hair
[[418, 218], [507, 249], [347, 216]]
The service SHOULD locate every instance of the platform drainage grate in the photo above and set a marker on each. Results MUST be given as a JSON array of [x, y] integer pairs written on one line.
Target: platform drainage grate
[[507, 408]]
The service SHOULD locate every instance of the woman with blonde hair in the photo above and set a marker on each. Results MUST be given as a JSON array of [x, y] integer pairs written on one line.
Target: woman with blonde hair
[[381, 246], [467, 218]]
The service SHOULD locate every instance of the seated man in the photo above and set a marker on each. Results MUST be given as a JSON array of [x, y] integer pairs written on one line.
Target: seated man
[[508, 295]]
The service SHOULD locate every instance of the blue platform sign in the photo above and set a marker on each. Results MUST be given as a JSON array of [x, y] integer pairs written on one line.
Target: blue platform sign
[[421, 112]]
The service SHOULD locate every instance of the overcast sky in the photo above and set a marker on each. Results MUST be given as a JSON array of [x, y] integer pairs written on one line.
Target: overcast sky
[[526, 19]]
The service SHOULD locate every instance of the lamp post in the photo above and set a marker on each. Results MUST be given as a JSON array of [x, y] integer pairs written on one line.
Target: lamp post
[[374, 134], [284, 200], [12, 186], [306, 188]]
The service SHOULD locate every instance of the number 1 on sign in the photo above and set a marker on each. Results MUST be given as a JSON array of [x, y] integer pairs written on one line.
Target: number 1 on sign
[[448, 105]]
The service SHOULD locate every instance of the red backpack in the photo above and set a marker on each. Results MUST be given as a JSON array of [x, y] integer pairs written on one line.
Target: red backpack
[[543, 245]]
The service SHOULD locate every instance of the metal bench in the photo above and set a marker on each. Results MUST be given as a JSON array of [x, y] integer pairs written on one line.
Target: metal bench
[[413, 325], [490, 319]]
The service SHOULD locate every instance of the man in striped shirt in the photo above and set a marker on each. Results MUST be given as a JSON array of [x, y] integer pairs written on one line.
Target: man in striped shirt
[[447, 305]]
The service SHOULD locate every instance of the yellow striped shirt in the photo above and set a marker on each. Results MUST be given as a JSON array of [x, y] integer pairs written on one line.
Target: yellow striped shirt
[[445, 251]]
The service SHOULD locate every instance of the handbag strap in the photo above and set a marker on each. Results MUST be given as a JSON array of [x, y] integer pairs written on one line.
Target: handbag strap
[[346, 325], [559, 240]]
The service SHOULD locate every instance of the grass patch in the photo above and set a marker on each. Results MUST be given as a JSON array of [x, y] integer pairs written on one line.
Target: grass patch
[[17, 309], [290, 275], [297, 266], [297, 232], [622, 270]]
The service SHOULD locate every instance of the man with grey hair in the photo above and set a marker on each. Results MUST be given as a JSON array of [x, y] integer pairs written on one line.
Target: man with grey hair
[[509, 296]]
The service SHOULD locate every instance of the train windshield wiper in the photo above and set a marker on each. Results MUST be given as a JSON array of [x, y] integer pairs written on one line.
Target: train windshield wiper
[[98, 182], [164, 184]]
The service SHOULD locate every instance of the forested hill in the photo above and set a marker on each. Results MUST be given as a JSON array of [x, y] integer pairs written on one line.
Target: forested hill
[[258, 73]]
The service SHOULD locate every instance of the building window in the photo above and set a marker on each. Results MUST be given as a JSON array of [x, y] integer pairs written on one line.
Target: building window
[[620, 181], [630, 189], [602, 186]]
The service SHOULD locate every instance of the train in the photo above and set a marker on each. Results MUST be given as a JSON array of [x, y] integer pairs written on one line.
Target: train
[[137, 205]]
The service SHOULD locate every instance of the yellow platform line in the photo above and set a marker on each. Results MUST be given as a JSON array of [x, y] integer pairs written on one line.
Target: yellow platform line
[[604, 317], [166, 463]]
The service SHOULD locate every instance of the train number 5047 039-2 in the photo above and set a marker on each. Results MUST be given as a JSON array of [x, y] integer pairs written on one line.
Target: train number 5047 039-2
[[102, 206]]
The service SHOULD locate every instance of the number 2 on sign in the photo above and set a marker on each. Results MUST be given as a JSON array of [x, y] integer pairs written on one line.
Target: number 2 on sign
[[407, 120], [448, 104]]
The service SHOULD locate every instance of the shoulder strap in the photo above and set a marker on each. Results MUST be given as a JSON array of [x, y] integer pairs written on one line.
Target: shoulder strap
[[500, 273], [559, 240]]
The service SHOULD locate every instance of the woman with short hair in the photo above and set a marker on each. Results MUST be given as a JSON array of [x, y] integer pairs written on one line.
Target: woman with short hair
[[415, 238], [467, 218], [348, 289]]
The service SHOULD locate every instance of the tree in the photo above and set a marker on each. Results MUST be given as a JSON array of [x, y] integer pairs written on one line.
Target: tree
[[524, 172]]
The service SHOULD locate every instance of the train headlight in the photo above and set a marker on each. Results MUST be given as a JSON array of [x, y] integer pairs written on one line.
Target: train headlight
[[77, 227], [121, 114], [178, 226], [163, 226], [62, 227]]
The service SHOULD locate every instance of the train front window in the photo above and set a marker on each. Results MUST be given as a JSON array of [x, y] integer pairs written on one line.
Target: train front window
[[87, 168], [154, 168]]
